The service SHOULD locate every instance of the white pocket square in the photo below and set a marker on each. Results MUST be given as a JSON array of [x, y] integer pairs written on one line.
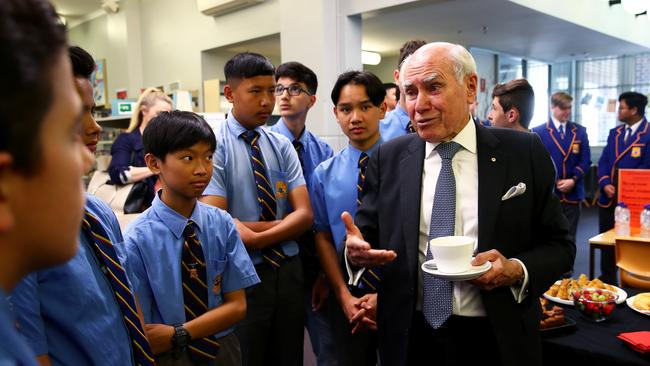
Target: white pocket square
[[514, 191]]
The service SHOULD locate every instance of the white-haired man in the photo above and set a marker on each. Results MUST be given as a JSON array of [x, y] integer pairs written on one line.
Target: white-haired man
[[453, 179]]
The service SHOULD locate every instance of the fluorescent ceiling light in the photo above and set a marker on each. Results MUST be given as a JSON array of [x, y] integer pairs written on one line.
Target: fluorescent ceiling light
[[370, 58], [635, 6]]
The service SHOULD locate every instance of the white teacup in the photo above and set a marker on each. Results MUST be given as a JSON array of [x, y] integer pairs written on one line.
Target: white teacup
[[452, 254]]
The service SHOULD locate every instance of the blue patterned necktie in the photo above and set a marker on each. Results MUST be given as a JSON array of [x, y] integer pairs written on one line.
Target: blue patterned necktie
[[436, 303], [195, 292], [562, 132], [265, 193], [111, 267]]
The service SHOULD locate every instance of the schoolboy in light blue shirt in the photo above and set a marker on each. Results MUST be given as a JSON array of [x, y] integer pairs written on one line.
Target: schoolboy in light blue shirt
[[337, 187], [69, 314], [258, 179], [295, 94], [42, 157], [187, 263], [396, 122]]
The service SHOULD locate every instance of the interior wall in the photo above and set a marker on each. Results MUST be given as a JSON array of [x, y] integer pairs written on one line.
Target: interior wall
[[384, 70], [173, 53]]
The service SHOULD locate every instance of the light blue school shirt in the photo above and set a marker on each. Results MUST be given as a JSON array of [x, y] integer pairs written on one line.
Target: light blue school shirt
[[70, 312], [314, 152], [394, 124], [232, 176], [154, 243], [335, 190], [13, 350]]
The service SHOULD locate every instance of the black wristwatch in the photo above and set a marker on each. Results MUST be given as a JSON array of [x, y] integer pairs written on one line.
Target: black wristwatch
[[181, 338]]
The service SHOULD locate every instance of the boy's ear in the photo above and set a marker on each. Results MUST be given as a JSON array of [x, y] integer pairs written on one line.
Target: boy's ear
[[6, 214], [153, 163], [312, 100], [383, 108], [227, 92]]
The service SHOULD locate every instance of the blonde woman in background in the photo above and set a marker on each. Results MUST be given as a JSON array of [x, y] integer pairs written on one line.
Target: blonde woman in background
[[127, 163]]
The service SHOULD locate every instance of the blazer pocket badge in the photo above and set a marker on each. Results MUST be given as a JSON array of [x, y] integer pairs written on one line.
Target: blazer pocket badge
[[514, 191]]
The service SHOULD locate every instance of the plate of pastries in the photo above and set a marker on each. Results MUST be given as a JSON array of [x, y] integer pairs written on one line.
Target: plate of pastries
[[640, 303], [553, 319], [561, 290]]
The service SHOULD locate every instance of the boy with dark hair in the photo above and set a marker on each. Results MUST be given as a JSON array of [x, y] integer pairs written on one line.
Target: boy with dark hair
[[397, 122], [39, 145], [628, 147], [295, 94], [257, 178], [51, 304], [568, 145], [188, 265], [392, 96], [337, 187], [513, 105]]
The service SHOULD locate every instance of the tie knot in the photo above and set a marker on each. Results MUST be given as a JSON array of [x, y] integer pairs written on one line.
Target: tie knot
[[561, 128], [448, 149], [363, 161], [189, 230], [250, 136], [297, 145]]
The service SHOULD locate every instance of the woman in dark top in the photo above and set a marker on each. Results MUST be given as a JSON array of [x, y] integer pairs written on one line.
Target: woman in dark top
[[127, 163]]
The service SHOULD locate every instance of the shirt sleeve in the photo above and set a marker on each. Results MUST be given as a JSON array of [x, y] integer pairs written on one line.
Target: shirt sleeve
[[137, 275], [218, 182], [27, 308], [318, 203], [239, 272], [120, 160], [520, 291]]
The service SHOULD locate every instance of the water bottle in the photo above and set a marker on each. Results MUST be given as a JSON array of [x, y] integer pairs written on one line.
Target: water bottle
[[622, 220], [645, 222]]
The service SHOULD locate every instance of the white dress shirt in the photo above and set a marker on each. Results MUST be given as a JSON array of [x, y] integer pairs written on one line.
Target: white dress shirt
[[557, 125], [633, 127]]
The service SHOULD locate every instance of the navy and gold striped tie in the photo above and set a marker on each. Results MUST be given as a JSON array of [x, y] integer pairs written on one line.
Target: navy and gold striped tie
[[265, 193], [195, 292], [370, 278], [111, 267], [410, 128]]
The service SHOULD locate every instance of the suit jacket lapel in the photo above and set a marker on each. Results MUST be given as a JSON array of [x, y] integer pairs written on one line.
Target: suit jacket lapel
[[411, 165], [491, 179]]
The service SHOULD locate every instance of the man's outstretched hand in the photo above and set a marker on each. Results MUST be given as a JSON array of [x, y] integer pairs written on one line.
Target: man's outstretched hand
[[359, 252]]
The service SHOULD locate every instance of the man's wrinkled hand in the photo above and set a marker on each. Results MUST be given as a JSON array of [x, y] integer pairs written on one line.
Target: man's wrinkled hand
[[359, 252], [504, 272]]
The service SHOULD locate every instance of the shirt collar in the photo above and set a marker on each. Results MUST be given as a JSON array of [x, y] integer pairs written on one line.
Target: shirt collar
[[235, 127], [557, 124], [401, 112], [354, 152], [284, 130], [466, 138], [172, 219], [635, 126]]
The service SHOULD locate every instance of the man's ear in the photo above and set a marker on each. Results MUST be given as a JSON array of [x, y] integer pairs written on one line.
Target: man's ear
[[383, 107], [153, 163], [396, 77], [472, 82], [7, 219]]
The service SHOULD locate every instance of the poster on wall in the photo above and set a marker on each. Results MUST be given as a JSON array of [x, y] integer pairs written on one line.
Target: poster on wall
[[98, 81]]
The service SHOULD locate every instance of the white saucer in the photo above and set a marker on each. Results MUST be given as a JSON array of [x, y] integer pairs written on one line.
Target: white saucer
[[472, 273]]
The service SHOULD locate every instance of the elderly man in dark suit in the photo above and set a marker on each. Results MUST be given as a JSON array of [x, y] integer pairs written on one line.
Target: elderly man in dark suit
[[455, 177]]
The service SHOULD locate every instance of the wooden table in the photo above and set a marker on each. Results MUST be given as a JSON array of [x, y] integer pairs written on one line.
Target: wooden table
[[604, 240]]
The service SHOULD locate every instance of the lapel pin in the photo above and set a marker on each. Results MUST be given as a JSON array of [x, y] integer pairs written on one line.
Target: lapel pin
[[493, 159]]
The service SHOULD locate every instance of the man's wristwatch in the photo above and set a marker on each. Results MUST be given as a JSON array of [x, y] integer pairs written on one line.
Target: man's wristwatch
[[181, 338]]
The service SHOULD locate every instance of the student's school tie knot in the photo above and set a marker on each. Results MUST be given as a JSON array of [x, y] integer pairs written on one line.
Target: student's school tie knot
[[250, 136]]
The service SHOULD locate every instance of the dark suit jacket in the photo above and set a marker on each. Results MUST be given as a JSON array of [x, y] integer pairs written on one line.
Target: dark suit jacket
[[529, 227]]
